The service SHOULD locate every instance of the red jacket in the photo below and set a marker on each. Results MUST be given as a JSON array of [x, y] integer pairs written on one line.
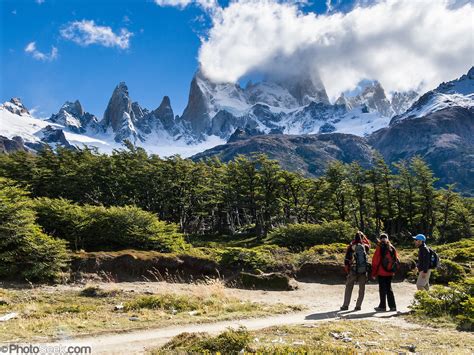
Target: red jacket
[[377, 268]]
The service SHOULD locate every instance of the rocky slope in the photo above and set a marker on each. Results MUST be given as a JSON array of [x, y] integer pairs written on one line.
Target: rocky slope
[[73, 117], [293, 106], [307, 154], [445, 139]]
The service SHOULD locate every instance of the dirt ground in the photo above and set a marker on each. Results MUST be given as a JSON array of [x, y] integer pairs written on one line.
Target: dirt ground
[[321, 302]]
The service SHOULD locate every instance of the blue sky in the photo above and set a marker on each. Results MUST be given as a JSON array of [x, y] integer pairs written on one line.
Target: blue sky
[[58, 50], [160, 60]]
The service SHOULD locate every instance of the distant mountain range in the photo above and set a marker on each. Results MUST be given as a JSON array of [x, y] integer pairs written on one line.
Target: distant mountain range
[[293, 105], [290, 119]]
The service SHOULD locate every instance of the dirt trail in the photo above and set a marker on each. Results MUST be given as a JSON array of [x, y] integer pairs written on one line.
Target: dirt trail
[[322, 302]]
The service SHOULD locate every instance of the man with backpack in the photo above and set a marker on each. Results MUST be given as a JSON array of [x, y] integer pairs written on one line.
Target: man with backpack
[[427, 260], [384, 265], [357, 267]]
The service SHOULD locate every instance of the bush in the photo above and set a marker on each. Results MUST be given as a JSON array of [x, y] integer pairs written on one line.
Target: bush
[[259, 258], [462, 251], [97, 228], [96, 291], [228, 342], [301, 236], [25, 251], [448, 271], [455, 301], [325, 252], [164, 302]]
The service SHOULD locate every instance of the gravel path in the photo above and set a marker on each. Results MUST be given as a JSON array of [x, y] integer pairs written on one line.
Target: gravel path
[[321, 300]]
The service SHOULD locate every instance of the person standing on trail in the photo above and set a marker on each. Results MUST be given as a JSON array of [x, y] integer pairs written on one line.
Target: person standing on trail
[[423, 264], [384, 265], [357, 266]]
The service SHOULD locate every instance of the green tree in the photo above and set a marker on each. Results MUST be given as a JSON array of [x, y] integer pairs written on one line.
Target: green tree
[[339, 188], [454, 216], [424, 186], [25, 251]]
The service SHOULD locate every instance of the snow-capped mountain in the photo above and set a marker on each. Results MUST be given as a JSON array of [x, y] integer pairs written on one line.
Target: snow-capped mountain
[[455, 93], [294, 105], [216, 110], [73, 117], [16, 123], [16, 107], [72, 127]]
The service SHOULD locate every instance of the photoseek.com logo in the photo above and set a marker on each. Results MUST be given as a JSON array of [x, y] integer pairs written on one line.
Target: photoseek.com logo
[[44, 349]]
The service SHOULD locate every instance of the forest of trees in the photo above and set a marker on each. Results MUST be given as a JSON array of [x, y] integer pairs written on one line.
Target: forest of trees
[[249, 195]]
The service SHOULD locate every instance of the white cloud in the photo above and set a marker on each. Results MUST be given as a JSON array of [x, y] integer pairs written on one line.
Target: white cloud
[[328, 6], [86, 32], [39, 2], [35, 53], [404, 44], [209, 5]]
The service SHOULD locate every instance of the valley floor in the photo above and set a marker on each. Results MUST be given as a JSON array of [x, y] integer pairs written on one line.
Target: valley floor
[[311, 308]]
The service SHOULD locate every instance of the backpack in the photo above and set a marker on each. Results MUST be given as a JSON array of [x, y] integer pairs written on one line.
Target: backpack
[[360, 258], [390, 264], [434, 259]]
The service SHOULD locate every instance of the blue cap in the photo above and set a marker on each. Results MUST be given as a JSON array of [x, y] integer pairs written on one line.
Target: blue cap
[[420, 237]]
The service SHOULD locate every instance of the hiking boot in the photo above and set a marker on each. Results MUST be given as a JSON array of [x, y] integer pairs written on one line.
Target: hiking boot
[[393, 309], [357, 309], [380, 309], [344, 308]]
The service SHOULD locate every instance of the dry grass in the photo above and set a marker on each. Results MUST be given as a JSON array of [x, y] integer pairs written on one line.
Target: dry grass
[[366, 336], [55, 312], [336, 337]]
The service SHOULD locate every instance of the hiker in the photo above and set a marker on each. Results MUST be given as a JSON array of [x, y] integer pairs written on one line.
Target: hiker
[[423, 264], [384, 265], [356, 265]]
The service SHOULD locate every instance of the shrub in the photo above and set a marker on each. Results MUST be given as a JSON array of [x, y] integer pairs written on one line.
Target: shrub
[[96, 291], [259, 258], [448, 271], [455, 300], [25, 251], [228, 342], [96, 227], [333, 252], [164, 302], [462, 251], [301, 236]]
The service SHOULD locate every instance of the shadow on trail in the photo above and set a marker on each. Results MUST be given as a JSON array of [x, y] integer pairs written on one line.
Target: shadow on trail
[[358, 315], [371, 314], [323, 315], [350, 315]]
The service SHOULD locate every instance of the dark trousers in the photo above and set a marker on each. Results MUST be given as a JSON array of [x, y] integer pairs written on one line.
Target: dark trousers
[[386, 293]]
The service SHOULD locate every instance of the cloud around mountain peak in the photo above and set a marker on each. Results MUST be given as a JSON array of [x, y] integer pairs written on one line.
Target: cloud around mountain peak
[[404, 44]]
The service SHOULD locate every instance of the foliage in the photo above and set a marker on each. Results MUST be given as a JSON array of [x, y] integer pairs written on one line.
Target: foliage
[[231, 341], [461, 251], [448, 271], [250, 259], [251, 194], [25, 251], [298, 237], [455, 300], [106, 228], [166, 302], [325, 252]]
